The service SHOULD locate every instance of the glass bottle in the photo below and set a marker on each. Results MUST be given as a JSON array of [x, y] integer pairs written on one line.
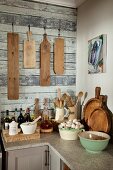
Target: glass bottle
[[20, 118], [27, 115], [7, 120]]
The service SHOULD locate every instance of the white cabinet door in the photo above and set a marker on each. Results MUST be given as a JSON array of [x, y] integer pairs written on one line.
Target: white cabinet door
[[28, 159], [54, 160]]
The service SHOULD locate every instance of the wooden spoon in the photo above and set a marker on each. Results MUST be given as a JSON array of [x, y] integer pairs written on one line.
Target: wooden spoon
[[85, 96], [80, 94]]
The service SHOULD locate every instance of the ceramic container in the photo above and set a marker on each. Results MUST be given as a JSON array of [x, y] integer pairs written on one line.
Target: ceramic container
[[94, 141], [28, 128], [59, 115], [13, 128], [69, 134]]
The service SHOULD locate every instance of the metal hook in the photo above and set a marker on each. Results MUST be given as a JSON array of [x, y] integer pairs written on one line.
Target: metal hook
[[29, 27], [45, 30], [59, 28], [12, 27], [59, 32]]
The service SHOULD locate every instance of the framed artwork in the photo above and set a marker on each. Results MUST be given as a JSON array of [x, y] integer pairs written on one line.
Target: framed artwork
[[97, 52]]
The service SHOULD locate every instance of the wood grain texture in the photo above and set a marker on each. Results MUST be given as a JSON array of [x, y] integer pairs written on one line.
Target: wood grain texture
[[29, 52], [45, 62], [23, 13], [13, 66], [99, 120], [59, 56]]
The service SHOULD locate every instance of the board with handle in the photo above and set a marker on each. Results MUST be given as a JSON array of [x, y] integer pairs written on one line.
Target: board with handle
[[13, 65], [29, 51], [59, 56], [45, 62]]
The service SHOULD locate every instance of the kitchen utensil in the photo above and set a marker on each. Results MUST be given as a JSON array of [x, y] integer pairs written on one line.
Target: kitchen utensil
[[20, 136], [36, 108], [80, 94], [28, 128], [36, 120], [13, 64], [99, 119], [93, 141], [85, 96], [92, 104], [13, 128], [59, 55], [45, 62], [29, 51]]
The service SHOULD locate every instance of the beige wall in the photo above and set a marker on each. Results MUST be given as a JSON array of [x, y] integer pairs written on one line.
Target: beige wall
[[95, 17]]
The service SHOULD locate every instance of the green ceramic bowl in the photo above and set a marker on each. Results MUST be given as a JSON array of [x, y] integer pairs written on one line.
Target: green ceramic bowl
[[94, 141]]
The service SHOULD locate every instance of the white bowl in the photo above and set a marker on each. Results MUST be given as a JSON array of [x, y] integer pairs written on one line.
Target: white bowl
[[28, 128], [69, 134]]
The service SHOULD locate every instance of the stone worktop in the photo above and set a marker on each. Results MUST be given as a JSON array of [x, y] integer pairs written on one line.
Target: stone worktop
[[71, 152]]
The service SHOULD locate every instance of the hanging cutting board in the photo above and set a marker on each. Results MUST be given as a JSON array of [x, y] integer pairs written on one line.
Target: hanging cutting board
[[92, 104], [45, 62], [13, 65], [59, 56], [29, 52], [99, 120]]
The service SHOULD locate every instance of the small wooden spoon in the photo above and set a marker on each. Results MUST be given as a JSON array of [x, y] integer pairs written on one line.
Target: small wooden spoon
[[80, 94]]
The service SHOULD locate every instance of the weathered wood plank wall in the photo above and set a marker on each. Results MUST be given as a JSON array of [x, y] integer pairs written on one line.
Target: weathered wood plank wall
[[23, 13]]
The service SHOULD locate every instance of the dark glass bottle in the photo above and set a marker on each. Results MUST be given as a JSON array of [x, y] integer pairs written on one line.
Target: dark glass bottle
[[7, 120], [27, 116], [20, 118], [13, 117]]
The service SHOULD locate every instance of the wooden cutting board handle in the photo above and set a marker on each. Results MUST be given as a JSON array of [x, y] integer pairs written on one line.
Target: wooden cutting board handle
[[13, 65], [45, 62], [29, 52], [97, 92]]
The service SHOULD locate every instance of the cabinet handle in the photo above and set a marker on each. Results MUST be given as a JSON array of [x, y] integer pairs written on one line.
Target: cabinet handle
[[46, 158]]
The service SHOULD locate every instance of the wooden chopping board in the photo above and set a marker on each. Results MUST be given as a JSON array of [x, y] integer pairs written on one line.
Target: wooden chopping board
[[29, 52], [45, 62], [13, 65], [20, 136], [99, 120], [92, 104], [59, 56]]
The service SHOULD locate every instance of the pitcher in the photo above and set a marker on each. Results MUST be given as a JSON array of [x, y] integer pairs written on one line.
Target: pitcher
[[59, 115], [13, 128]]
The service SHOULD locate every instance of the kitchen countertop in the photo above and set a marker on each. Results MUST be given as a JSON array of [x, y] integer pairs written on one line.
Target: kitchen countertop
[[71, 152]]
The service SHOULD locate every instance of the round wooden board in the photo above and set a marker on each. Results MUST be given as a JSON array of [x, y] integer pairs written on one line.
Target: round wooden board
[[99, 120], [90, 106]]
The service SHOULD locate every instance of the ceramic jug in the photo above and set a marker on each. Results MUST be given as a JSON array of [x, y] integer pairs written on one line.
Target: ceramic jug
[[60, 114], [13, 128]]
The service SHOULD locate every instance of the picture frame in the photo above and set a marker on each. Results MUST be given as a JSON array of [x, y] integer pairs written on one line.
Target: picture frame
[[97, 54]]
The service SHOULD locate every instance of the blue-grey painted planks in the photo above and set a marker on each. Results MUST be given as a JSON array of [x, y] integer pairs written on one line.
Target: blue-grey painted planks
[[23, 13]]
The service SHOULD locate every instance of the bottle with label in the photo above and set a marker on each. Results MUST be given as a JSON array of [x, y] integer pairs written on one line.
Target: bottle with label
[[27, 115], [20, 118], [7, 120]]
